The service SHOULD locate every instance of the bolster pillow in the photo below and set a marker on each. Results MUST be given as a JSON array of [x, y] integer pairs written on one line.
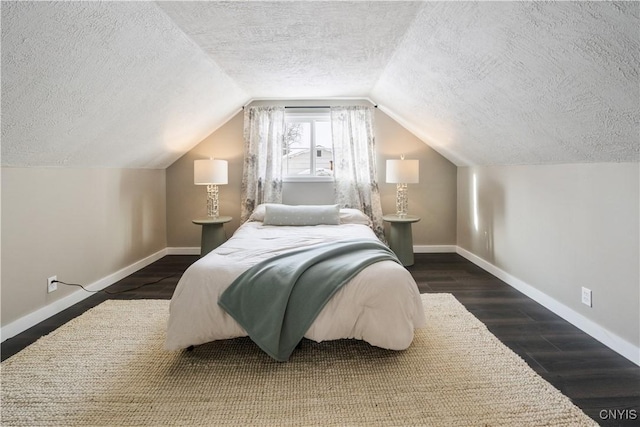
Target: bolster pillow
[[301, 214]]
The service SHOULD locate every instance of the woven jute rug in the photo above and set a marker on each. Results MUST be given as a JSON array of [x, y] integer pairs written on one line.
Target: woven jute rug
[[108, 368]]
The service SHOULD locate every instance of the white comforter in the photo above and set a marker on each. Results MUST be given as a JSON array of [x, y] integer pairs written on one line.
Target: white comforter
[[380, 305]]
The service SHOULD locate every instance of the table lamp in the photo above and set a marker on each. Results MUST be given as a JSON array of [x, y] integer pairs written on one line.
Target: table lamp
[[402, 172], [211, 172]]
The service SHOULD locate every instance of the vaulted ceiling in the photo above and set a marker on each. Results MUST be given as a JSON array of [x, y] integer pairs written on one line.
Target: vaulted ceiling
[[137, 84]]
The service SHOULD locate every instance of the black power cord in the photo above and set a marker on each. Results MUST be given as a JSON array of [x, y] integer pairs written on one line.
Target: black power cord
[[113, 293]]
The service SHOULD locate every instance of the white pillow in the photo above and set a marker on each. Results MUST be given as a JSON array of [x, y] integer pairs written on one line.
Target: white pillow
[[301, 214], [353, 216], [258, 212], [347, 215]]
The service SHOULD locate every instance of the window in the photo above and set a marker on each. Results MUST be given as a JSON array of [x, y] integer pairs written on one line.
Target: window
[[307, 150]]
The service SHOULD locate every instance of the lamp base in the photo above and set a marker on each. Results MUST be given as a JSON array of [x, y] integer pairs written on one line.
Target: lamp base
[[402, 200], [213, 203]]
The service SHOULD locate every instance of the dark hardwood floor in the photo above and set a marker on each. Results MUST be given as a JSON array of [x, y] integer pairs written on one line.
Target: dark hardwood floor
[[595, 377], [605, 385]]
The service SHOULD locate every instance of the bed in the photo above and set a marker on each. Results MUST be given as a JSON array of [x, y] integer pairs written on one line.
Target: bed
[[380, 304]]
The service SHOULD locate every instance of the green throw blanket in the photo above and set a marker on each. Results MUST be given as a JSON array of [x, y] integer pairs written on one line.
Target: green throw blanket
[[277, 300]]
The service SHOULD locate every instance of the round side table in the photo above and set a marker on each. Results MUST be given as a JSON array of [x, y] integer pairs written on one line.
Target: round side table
[[400, 238], [213, 234]]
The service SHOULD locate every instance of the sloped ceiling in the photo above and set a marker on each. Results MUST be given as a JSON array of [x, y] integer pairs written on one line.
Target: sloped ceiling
[[137, 84], [520, 82], [108, 84]]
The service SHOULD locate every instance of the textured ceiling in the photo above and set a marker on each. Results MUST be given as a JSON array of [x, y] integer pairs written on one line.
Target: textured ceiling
[[136, 84], [87, 84], [520, 82], [298, 49]]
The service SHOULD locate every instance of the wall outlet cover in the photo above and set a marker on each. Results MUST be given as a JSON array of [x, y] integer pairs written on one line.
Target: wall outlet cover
[[586, 296], [52, 285]]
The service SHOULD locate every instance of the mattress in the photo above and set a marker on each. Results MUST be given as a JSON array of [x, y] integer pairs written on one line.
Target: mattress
[[380, 305]]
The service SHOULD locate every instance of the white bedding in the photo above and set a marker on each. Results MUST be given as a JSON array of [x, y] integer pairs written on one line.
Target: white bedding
[[380, 305]]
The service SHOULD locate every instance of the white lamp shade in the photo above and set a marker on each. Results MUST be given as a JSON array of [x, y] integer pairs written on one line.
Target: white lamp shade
[[403, 171], [210, 171]]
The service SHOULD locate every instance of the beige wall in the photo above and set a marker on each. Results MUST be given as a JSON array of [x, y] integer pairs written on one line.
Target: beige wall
[[79, 224], [433, 199], [559, 228], [186, 201]]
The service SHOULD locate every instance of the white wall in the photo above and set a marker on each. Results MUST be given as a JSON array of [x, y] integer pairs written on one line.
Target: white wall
[[560, 228], [79, 224]]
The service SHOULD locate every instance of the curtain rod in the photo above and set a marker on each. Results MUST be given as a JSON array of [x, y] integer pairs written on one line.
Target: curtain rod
[[312, 106], [317, 106]]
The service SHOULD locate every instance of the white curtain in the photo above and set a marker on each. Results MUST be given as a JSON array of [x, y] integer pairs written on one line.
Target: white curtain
[[262, 169], [354, 154]]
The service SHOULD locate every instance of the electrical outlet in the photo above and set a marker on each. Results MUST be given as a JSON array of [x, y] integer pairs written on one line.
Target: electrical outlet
[[586, 296], [52, 285]]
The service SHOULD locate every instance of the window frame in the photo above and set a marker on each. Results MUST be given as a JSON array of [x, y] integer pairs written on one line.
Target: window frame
[[311, 116]]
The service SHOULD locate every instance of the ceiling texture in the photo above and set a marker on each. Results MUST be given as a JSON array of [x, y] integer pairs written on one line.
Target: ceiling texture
[[137, 84]]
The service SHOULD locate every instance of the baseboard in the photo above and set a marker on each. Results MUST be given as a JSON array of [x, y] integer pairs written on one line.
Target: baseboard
[[611, 340], [22, 324], [606, 337], [434, 249], [184, 251]]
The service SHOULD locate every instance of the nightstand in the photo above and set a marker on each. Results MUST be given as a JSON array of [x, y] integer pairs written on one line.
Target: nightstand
[[400, 238], [213, 234]]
